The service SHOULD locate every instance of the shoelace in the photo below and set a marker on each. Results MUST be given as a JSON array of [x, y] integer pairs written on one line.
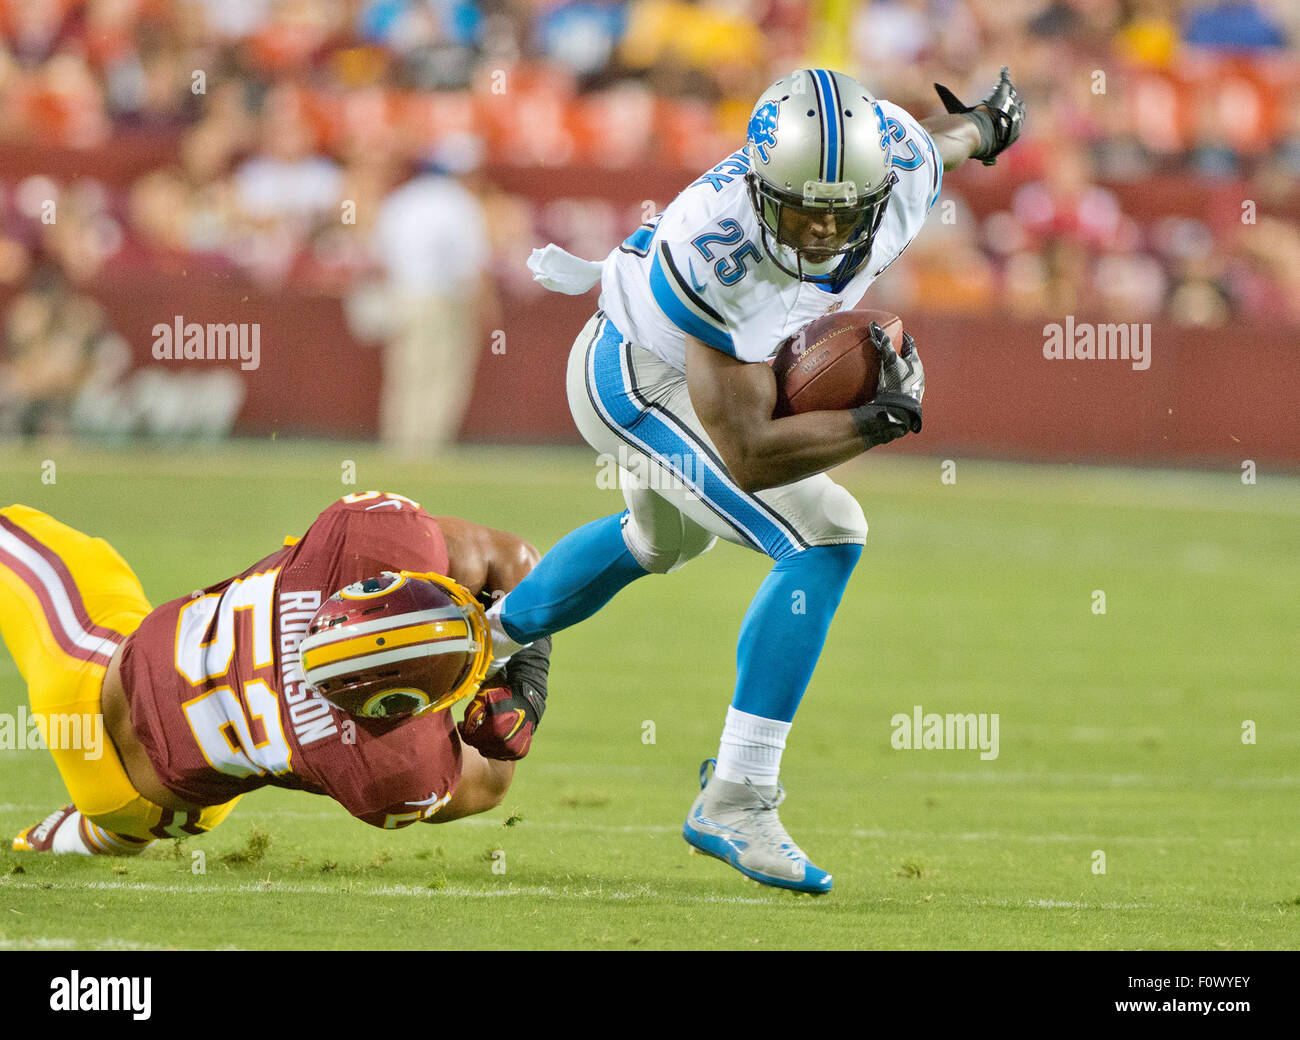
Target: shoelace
[[767, 803], [41, 832], [770, 825]]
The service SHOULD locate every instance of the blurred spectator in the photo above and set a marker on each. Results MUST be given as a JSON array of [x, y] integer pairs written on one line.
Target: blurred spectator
[[582, 35], [948, 272], [709, 49], [1129, 285], [892, 32], [1198, 297], [342, 252], [1233, 25], [1071, 220], [286, 192], [85, 234], [50, 335], [431, 240], [287, 179], [1067, 203], [1270, 276], [1212, 153], [437, 41], [1287, 149], [1149, 36]]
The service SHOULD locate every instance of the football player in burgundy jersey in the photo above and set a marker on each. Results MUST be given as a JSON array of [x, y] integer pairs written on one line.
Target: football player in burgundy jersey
[[206, 698]]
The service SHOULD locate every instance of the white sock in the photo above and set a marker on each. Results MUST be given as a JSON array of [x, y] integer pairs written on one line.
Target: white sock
[[68, 837], [71, 837], [751, 749]]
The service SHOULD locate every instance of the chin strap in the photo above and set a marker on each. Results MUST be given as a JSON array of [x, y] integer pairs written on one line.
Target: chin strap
[[835, 280]]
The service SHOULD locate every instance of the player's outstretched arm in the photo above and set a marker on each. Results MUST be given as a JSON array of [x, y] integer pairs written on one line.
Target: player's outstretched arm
[[982, 131], [734, 400], [956, 138]]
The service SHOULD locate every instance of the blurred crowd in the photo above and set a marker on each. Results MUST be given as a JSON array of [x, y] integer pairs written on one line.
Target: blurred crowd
[[274, 131]]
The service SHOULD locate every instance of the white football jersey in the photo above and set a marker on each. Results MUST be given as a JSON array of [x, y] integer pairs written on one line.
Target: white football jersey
[[700, 267]]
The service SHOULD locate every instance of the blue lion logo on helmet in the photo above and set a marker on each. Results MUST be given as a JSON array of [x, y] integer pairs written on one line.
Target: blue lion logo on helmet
[[762, 129]]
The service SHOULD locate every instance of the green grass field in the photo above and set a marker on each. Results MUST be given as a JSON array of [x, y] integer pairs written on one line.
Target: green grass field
[[1120, 733]]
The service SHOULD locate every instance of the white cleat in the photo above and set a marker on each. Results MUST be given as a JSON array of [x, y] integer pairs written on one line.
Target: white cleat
[[738, 824]]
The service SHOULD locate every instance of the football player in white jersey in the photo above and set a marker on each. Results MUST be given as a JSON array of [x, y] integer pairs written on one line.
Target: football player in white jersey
[[668, 377]]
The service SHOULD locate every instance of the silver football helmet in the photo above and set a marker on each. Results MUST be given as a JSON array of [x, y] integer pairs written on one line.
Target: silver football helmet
[[820, 161]]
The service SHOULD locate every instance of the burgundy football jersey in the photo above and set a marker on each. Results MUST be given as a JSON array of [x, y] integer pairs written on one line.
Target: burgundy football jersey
[[218, 697]]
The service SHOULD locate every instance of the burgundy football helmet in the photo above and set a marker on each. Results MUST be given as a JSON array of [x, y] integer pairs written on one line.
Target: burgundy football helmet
[[396, 645]]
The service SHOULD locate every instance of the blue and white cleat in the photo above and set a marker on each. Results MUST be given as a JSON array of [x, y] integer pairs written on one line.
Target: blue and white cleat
[[738, 824]]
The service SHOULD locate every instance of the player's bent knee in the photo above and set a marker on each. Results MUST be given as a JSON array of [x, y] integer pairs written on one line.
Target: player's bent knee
[[842, 517], [653, 558], [669, 546], [697, 542]]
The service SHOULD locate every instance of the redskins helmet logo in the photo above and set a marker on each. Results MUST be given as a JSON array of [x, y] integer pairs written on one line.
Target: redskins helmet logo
[[372, 588], [392, 704]]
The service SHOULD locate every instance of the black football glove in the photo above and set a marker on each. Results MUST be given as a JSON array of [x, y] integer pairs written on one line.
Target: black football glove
[[999, 117], [501, 719], [896, 408]]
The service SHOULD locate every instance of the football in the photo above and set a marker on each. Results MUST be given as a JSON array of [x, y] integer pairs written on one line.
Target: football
[[830, 363]]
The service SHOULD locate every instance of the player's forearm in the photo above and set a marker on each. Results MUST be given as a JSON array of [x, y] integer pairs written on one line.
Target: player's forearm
[[784, 450], [956, 137], [734, 401]]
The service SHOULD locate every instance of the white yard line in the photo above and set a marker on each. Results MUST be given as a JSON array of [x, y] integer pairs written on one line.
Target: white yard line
[[505, 892], [406, 891], [1067, 904], [45, 942]]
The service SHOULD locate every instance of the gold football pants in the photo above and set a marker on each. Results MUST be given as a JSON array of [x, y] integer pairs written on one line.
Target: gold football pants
[[67, 602]]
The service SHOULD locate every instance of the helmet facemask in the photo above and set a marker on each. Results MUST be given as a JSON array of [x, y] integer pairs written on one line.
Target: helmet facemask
[[858, 220]]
